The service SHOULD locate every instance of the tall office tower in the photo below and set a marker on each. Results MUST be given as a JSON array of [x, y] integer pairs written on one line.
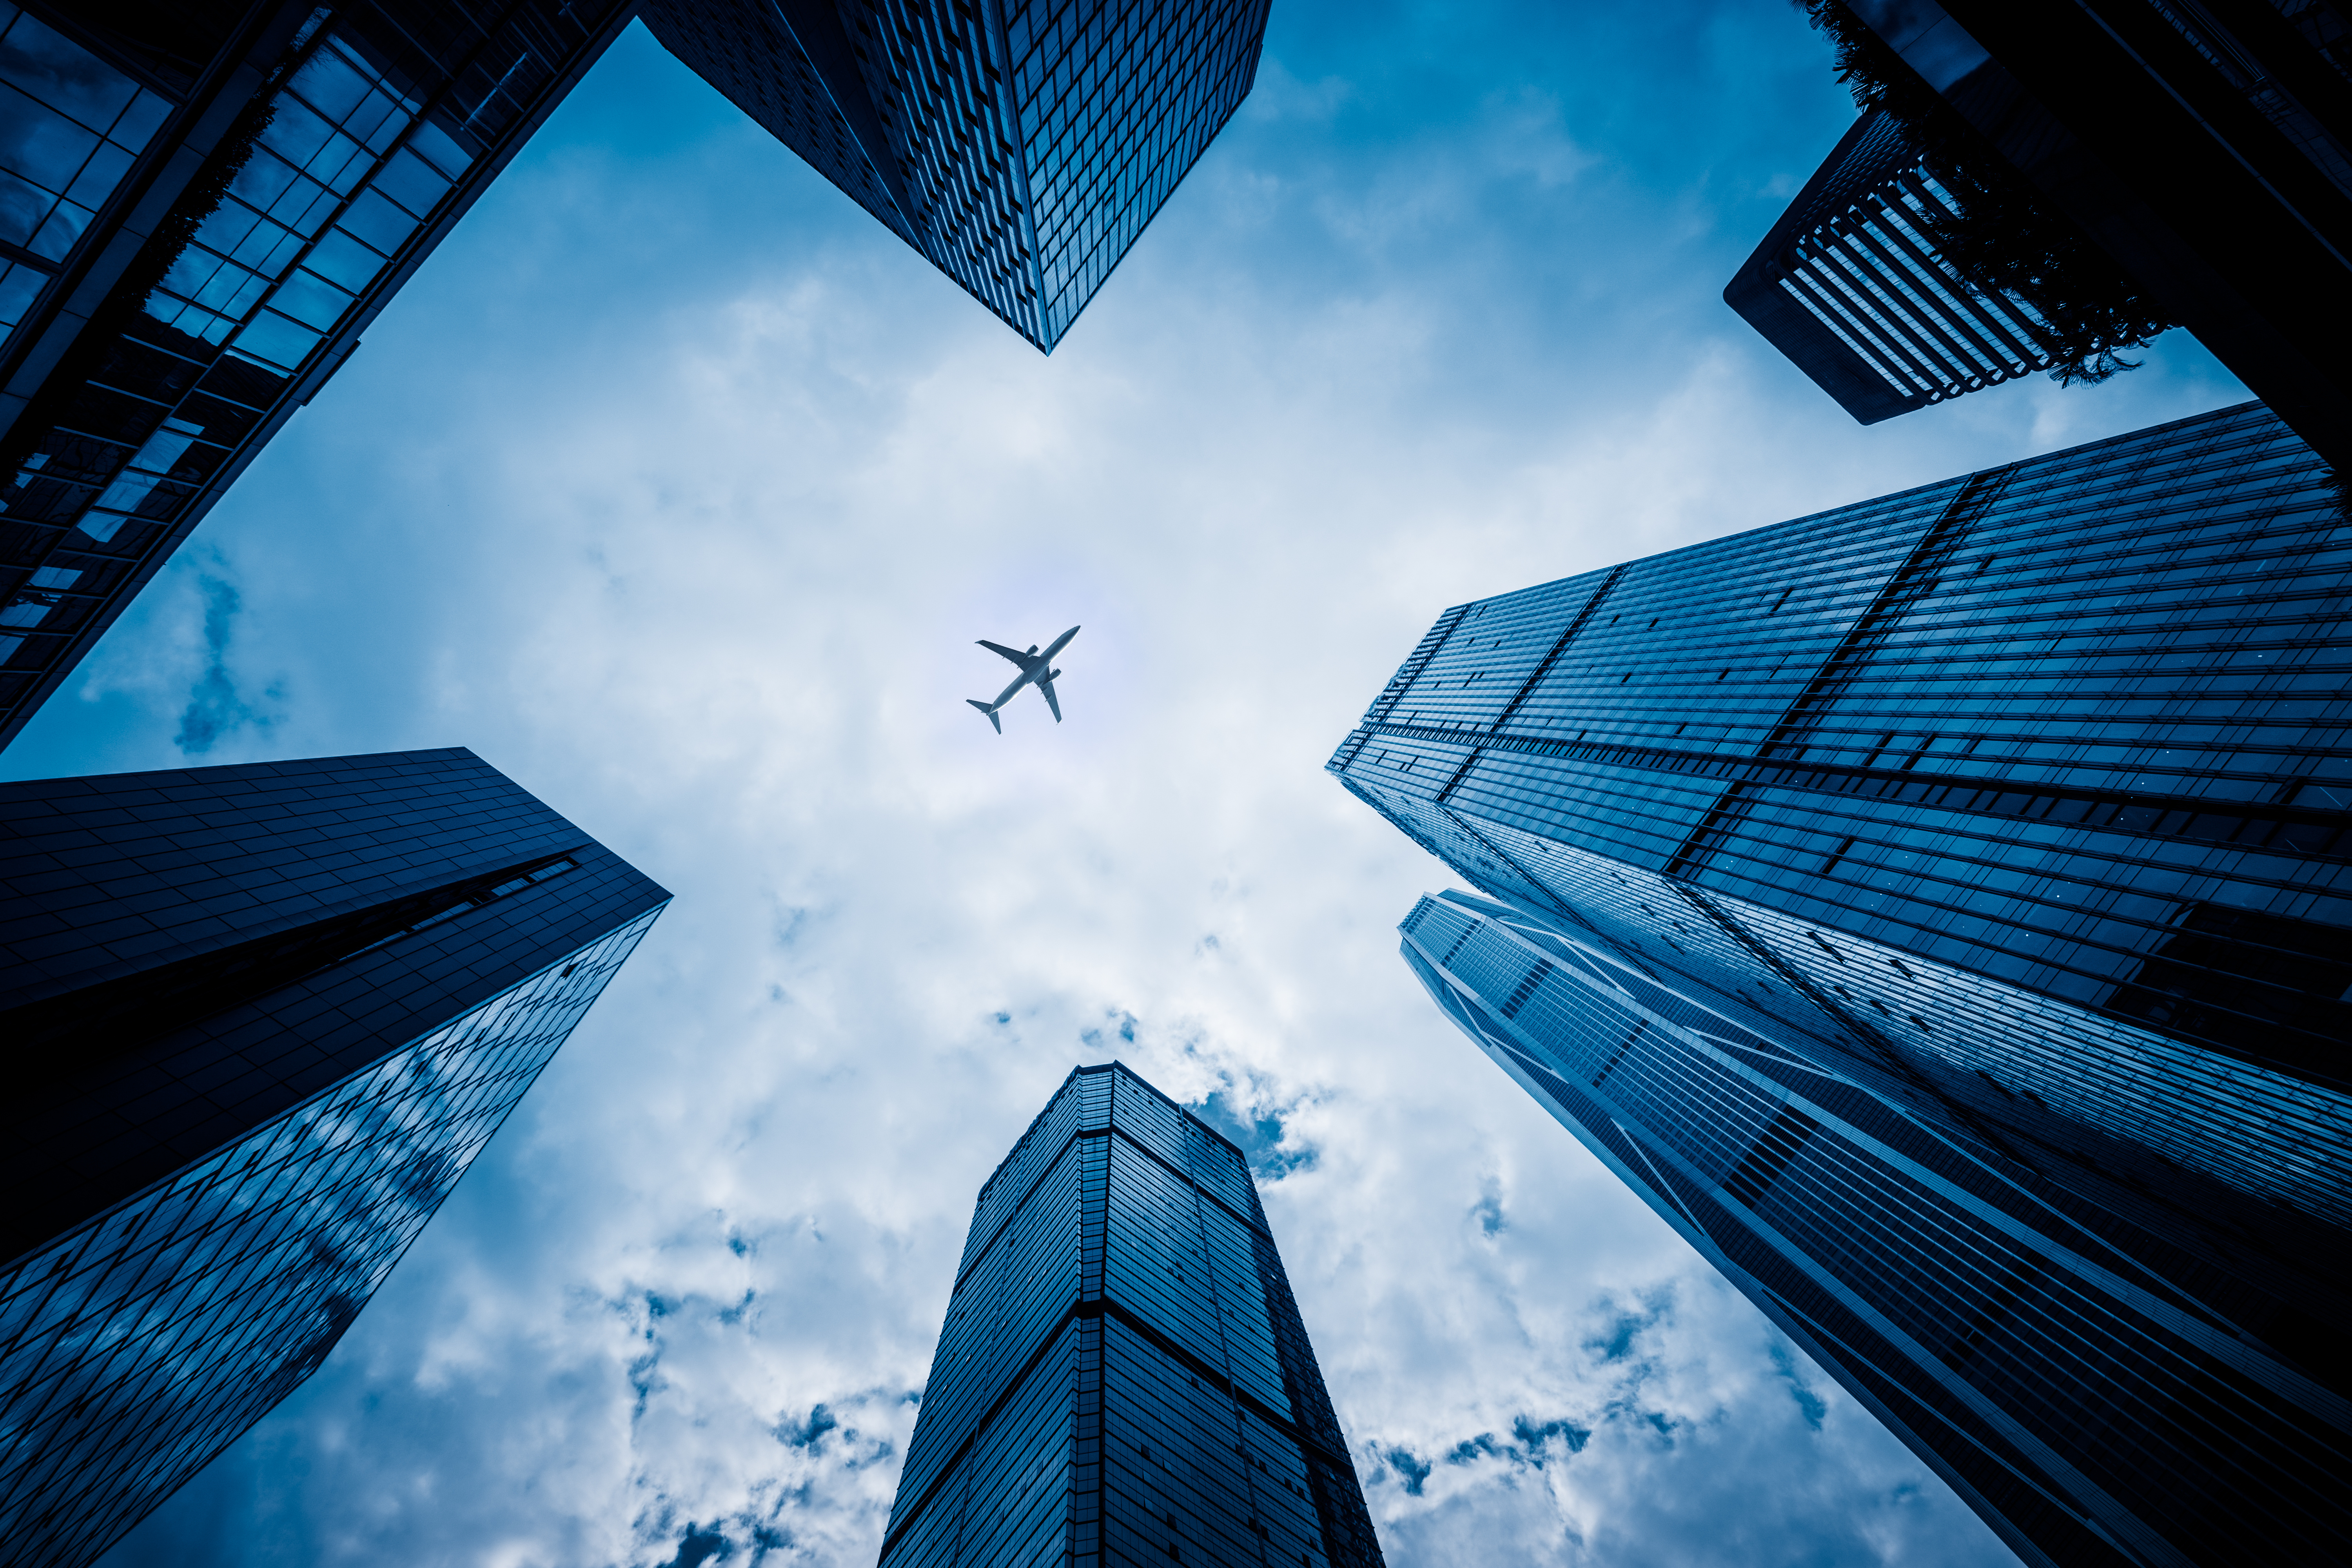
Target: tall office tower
[[2205, 148], [1123, 1377], [202, 205], [1939, 910], [1020, 146], [261, 1019], [1849, 286]]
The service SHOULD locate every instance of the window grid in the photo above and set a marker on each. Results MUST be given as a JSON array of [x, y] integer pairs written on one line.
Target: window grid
[[1937, 908], [1122, 1371], [378, 129], [2147, 1395], [72, 128], [135, 1348]]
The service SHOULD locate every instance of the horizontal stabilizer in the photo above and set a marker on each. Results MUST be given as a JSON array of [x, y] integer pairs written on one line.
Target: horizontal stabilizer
[[985, 708]]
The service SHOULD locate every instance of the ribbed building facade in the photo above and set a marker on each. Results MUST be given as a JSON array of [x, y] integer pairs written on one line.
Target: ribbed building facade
[[1849, 287], [1020, 146], [262, 1017], [1937, 910], [2206, 148], [1123, 1377]]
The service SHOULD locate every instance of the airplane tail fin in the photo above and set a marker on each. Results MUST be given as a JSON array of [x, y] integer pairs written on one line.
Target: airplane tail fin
[[985, 708]]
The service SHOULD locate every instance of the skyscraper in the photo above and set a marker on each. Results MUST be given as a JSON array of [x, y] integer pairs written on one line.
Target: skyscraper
[[204, 205], [1936, 910], [2205, 150], [1123, 1376], [262, 1019], [1849, 286], [1020, 146]]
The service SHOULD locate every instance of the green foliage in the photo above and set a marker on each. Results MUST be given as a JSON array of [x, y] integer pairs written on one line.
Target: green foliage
[[2003, 240]]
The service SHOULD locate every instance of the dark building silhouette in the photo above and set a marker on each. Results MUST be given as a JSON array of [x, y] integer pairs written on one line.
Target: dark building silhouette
[[1123, 1377], [1020, 146], [261, 1018], [203, 204], [1849, 286], [1940, 911], [2205, 147]]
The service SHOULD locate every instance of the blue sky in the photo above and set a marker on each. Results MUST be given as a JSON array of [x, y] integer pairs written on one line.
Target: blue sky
[[680, 489]]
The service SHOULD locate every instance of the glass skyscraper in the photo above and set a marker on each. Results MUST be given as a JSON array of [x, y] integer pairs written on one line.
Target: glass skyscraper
[[1849, 286], [262, 1018], [1020, 146], [2204, 149], [1936, 910], [1123, 1377], [204, 205]]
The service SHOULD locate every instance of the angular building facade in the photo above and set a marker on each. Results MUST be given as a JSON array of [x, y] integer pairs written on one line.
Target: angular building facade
[[1940, 911], [1123, 1377], [202, 207], [2205, 148], [1848, 286], [262, 1019], [1020, 146]]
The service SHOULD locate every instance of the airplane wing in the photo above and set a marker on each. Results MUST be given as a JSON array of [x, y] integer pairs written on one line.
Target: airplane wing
[[1051, 701], [1020, 658]]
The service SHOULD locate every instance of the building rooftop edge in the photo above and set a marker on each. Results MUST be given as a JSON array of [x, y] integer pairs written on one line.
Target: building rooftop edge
[[2230, 411], [1085, 1069]]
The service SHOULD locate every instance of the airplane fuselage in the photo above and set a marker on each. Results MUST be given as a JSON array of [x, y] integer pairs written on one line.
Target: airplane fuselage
[[1030, 665], [1036, 669]]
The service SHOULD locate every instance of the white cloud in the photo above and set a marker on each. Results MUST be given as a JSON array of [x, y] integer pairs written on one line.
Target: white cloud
[[678, 491]]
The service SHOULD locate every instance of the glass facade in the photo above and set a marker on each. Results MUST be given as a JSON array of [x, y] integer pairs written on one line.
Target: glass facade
[[265, 1016], [1123, 1377], [202, 208], [2093, 1408], [2000, 829], [1021, 145], [71, 126], [2207, 148], [1849, 287]]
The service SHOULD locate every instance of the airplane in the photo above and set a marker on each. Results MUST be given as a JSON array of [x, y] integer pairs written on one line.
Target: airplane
[[1036, 669]]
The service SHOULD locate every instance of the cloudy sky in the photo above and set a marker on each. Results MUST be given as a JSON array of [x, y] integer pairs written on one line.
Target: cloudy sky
[[679, 489]]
